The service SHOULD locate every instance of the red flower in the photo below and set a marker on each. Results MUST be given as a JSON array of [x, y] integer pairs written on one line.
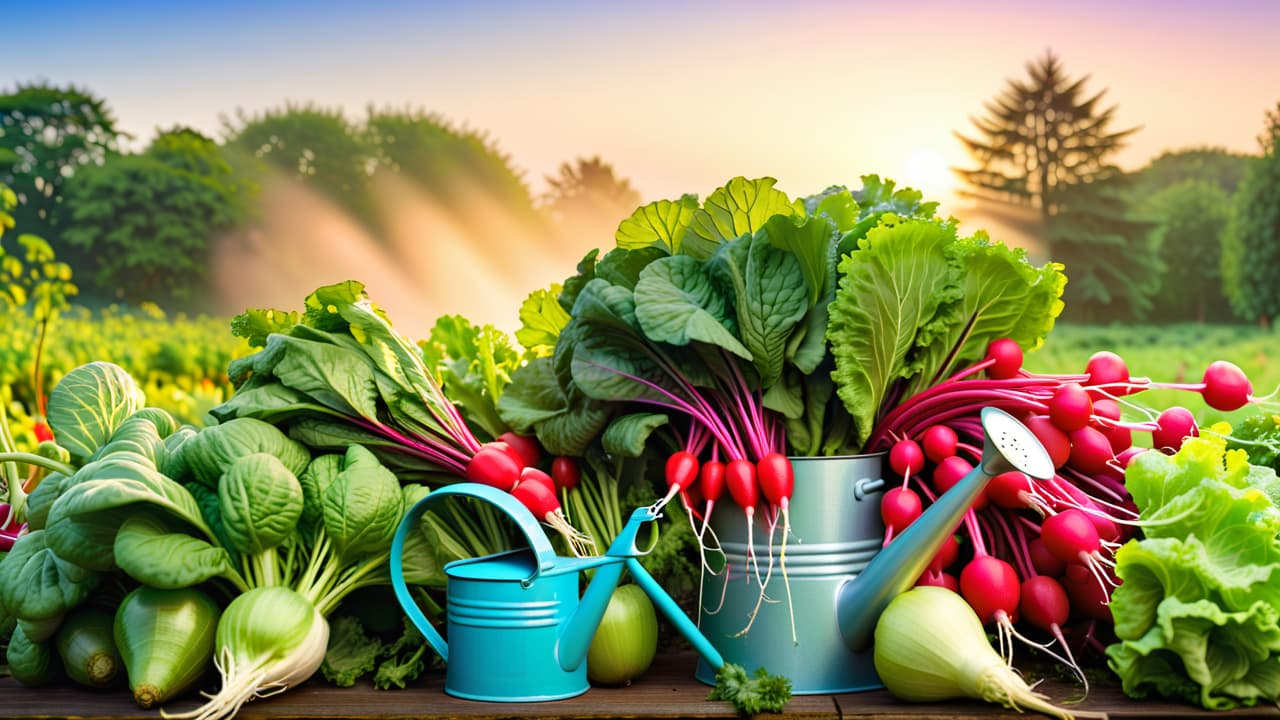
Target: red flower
[[43, 432]]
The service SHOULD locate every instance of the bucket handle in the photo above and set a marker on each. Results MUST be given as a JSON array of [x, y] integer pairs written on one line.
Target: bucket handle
[[544, 554]]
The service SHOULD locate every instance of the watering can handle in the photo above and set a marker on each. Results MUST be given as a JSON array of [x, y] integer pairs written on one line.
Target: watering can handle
[[544, 554]]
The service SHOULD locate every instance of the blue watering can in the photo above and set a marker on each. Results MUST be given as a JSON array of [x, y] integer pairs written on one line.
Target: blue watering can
[[518, 630]]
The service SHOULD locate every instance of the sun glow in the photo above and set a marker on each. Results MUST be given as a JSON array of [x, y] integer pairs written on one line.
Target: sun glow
[[929, 172]]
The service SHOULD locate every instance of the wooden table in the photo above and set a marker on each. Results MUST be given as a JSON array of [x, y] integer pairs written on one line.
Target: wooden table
[[668, 690]]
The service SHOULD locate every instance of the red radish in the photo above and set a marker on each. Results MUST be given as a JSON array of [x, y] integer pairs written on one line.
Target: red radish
[[1090, 450], [494, 466], [1005, 357], [532, 474], [906, 458], [941, 579], [1070, 536], [511, 452], [527, 447], [1044, 604], [899, 507], [681, 472], [939, 442], [951, 471], [1055, 441], [777, 479], [565, 472], [1011, 490], [1044, 562], [740, 479], [1119, 437], [1070, 407], [711, 481], [946, 555], [1226, 387], [1089, 598], [541, 501], [1172, 427], [1108, 369], [1127, 455], [991, 586]]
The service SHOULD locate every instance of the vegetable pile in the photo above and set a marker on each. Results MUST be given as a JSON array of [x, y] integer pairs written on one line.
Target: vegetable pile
[[718, 339]]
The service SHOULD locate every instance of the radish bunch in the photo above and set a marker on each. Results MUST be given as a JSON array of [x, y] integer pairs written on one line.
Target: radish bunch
[[1040, 552]]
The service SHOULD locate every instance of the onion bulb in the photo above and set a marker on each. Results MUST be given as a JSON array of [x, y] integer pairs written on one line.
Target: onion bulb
[[626, 640], [929, 646]]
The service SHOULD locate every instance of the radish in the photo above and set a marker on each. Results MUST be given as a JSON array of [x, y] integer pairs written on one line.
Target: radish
[[946, 555], [494, 466], [1119, 436], [1044, 562], [1044, 604], [526, 447], [1172, 427], [1072, 538], [951, 471], [1090, 450], [1226, 387], [533, 474], [681, 471], [777, 482], [1012, 490], [1070, 407], [1055, 441], [939, 442], [1005, 357], [541, 500], [906, 459], [992, 589], [740, 479], [565, 472], [899, 507], [1108, 371]]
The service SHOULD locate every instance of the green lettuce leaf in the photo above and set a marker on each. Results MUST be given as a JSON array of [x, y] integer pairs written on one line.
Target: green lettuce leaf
[[660, 224], [739, 208]]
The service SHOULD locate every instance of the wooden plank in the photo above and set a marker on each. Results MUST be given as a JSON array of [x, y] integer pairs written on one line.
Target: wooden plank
[[668, 690]]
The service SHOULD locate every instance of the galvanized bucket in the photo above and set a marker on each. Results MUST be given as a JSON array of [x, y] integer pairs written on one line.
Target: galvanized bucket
[[836, 530]]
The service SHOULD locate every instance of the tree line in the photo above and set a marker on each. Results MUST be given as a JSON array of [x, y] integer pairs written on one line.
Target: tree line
[[1195, 235], [139, 226]]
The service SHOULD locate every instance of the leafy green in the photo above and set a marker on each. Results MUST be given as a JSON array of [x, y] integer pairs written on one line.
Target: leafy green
[[675, 302], [1196, 616], [740, 207], [351, 653], [87, 405], [751, 694], [215, 448], [362, 506], [916, 301], [260, 503], [157, 553], [37, 584], [474, 364], [660, 224], [541, 320]]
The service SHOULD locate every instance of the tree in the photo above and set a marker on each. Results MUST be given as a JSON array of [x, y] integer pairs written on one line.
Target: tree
[[314, 145], [1040, 136], [1220, 167], [46, 134], [1251, 245], [145, 221], [447, 162], [1110, 261], [587, 198], [1191, 218]]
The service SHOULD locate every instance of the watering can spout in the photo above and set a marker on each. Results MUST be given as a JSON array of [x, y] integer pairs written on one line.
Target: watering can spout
[[580, 629], [1008, 446]]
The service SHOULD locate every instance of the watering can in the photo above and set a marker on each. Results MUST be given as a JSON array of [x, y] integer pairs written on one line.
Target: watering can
[[518, 631], [840, 577]]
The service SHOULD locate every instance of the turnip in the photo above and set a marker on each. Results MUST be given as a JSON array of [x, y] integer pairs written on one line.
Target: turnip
[[268, 640]]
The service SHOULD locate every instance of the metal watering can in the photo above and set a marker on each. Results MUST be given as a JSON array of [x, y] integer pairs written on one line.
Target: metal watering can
[[518, 630], [841, 579]]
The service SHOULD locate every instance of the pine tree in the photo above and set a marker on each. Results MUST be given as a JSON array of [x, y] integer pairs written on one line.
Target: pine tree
[[1041, 135]]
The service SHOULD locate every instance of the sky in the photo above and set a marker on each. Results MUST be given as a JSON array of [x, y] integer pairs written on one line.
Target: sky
[[677, 96]]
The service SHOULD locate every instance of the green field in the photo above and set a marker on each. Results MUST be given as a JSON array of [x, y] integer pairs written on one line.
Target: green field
[[1167, 353]]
